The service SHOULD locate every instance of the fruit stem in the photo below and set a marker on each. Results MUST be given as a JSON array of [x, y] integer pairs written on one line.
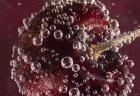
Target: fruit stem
[[122, 39]]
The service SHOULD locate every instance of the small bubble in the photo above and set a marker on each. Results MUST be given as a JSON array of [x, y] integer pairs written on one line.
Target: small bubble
[[53, 27], [33, 14], [26, 58], [114, 24], [45, 20], [22, 78], [26, 22], [67, 62], [83, 36], [13, 63], [21, 30], [76, 27], [20, 51], [74, 92], [63, 89], [44, 25], [75, 68], [45, 33], [35, 66], [109, 74], [67, 36], [77, 45], [71, 19], [120, 81], [131, 63], [82, 59], [105, 88], [37, 41], [75, 75], [91, 1], [58, 34]]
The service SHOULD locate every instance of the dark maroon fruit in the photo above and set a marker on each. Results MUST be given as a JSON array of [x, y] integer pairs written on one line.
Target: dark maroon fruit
[[70, 48]]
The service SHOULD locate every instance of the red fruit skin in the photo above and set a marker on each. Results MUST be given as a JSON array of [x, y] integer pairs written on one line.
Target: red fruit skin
[[47, 75]]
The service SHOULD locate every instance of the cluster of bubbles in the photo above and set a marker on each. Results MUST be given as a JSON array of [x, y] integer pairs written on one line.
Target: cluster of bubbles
[[58, 42]]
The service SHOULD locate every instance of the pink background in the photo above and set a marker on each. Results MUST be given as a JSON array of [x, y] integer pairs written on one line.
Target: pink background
[[13, 11]]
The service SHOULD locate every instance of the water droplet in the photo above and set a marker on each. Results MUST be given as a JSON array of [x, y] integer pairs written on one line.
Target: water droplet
[[67, 62], [58, 34]]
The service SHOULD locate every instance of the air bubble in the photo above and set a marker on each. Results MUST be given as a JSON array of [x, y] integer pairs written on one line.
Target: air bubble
[[75, 68], [58, 34], [45, 33], [26, 58], [74, 92], [53, 27], [75, 75], [67, 62], [67, 36], [71, 19], [21, 30], [26, 22], [35, 66], [114, 24], [82, 59], [91, 1], [83, 36], [37, 41], [45, 20], [63, 89], [44, 25], [77, 45], [76, 27], [105, 88], [109, 74], [120, 81]]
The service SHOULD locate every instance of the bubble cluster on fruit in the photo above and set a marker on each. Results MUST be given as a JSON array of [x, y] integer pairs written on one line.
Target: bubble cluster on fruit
[[54, 54]]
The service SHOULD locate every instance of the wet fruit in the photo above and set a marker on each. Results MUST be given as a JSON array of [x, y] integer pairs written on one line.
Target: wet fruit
[[70, 48]]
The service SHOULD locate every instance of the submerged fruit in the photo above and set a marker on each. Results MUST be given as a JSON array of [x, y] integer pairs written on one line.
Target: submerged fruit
[[70, 48]]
